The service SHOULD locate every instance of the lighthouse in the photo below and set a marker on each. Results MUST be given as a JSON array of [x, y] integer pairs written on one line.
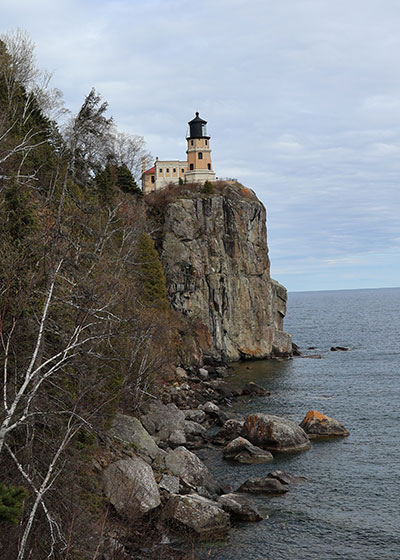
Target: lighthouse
[[199, 165]]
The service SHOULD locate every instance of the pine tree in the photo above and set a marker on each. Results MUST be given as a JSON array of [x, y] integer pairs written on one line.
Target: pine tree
[[11, 502], [125, 180], [153, 286]]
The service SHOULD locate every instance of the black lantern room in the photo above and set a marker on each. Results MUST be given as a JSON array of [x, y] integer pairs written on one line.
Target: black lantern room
[[197, 128]]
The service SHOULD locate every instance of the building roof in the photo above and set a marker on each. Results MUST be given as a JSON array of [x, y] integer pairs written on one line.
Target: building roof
[[150, 171]]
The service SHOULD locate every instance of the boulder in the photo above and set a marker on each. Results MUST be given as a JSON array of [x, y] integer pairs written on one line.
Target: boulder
[[195, 414], [241, 450], [318, 426], [164, 421], [181, 373], [203, 374], [252, 388], [263, 485], [131, 487], [339, 348], [286, 478], [275, 433], [169, 483], [192, 472], [239, 507], [197, 514], [129, 430], [211, 409], [229, 431]]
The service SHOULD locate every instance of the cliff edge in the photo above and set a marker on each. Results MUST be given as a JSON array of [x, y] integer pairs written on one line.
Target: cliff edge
[[215, 256]]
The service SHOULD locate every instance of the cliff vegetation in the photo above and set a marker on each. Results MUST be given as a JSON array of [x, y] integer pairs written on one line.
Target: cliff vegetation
[[92, 320]]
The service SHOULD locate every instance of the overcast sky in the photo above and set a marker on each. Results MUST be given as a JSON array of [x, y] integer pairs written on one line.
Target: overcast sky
[[302, 99]]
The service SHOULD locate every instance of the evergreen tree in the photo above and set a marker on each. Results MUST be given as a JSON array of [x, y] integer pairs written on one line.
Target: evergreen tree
[[153, 285], [125, 180], [11, 502], [208, 188]]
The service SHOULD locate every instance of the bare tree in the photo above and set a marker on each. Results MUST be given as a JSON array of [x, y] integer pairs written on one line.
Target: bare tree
[[129, 150]]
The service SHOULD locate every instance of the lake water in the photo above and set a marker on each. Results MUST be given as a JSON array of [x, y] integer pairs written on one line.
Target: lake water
[[350, 506]]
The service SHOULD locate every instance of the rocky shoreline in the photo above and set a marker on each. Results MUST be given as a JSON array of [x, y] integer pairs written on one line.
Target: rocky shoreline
[[152, 473]]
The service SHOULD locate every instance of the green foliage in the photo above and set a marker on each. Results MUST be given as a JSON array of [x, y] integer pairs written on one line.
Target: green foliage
[[11, 502], [20, 219], [208, 188], [126, 182], [153, 285], [105, 181]]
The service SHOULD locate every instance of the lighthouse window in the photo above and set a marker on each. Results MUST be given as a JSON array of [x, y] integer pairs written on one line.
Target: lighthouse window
[[167, 170], [191, 142], [174, 170], [206, 142], [200, 155], [209, 165], [191, 166]]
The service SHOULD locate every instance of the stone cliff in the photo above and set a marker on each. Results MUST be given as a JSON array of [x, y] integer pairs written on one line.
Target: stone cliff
[[215, 256]]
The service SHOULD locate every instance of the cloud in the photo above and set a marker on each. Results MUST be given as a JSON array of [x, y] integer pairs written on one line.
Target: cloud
[[302, 98]]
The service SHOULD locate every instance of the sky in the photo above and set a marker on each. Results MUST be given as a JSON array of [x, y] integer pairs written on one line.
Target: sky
[[302, 99]]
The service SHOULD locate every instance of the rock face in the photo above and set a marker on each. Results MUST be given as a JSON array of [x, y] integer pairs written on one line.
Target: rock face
[[317, 425], [275, 433], [131, 487], [215, 255]]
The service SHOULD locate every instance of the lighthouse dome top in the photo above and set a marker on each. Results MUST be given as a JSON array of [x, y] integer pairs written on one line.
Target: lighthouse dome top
[[197, 127]]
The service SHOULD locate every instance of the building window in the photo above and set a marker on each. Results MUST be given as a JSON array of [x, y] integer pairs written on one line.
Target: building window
[[153, 179], [191, 166], [182, 170], [167, 170], [200, 155], [160, 171], [206, 142], [209, 165], [191, 142], [174, 170]]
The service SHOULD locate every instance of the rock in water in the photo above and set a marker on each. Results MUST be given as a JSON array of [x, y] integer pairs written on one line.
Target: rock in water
[[217, 269], [263, 485], [197, 514], [317, 425], [241, 450], [275, 433], [131, 487], [239, 507]]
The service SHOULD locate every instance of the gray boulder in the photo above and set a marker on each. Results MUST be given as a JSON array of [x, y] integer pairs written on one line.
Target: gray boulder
[[252, 388], [286, 478], [241, 450], [164, 421], [195, 415], [263, 485], [131, 487], [275, 433], [169, 483], [192, 472], [129, 430], [197, 514], [239, 507], [230, 430], [318, 426]]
